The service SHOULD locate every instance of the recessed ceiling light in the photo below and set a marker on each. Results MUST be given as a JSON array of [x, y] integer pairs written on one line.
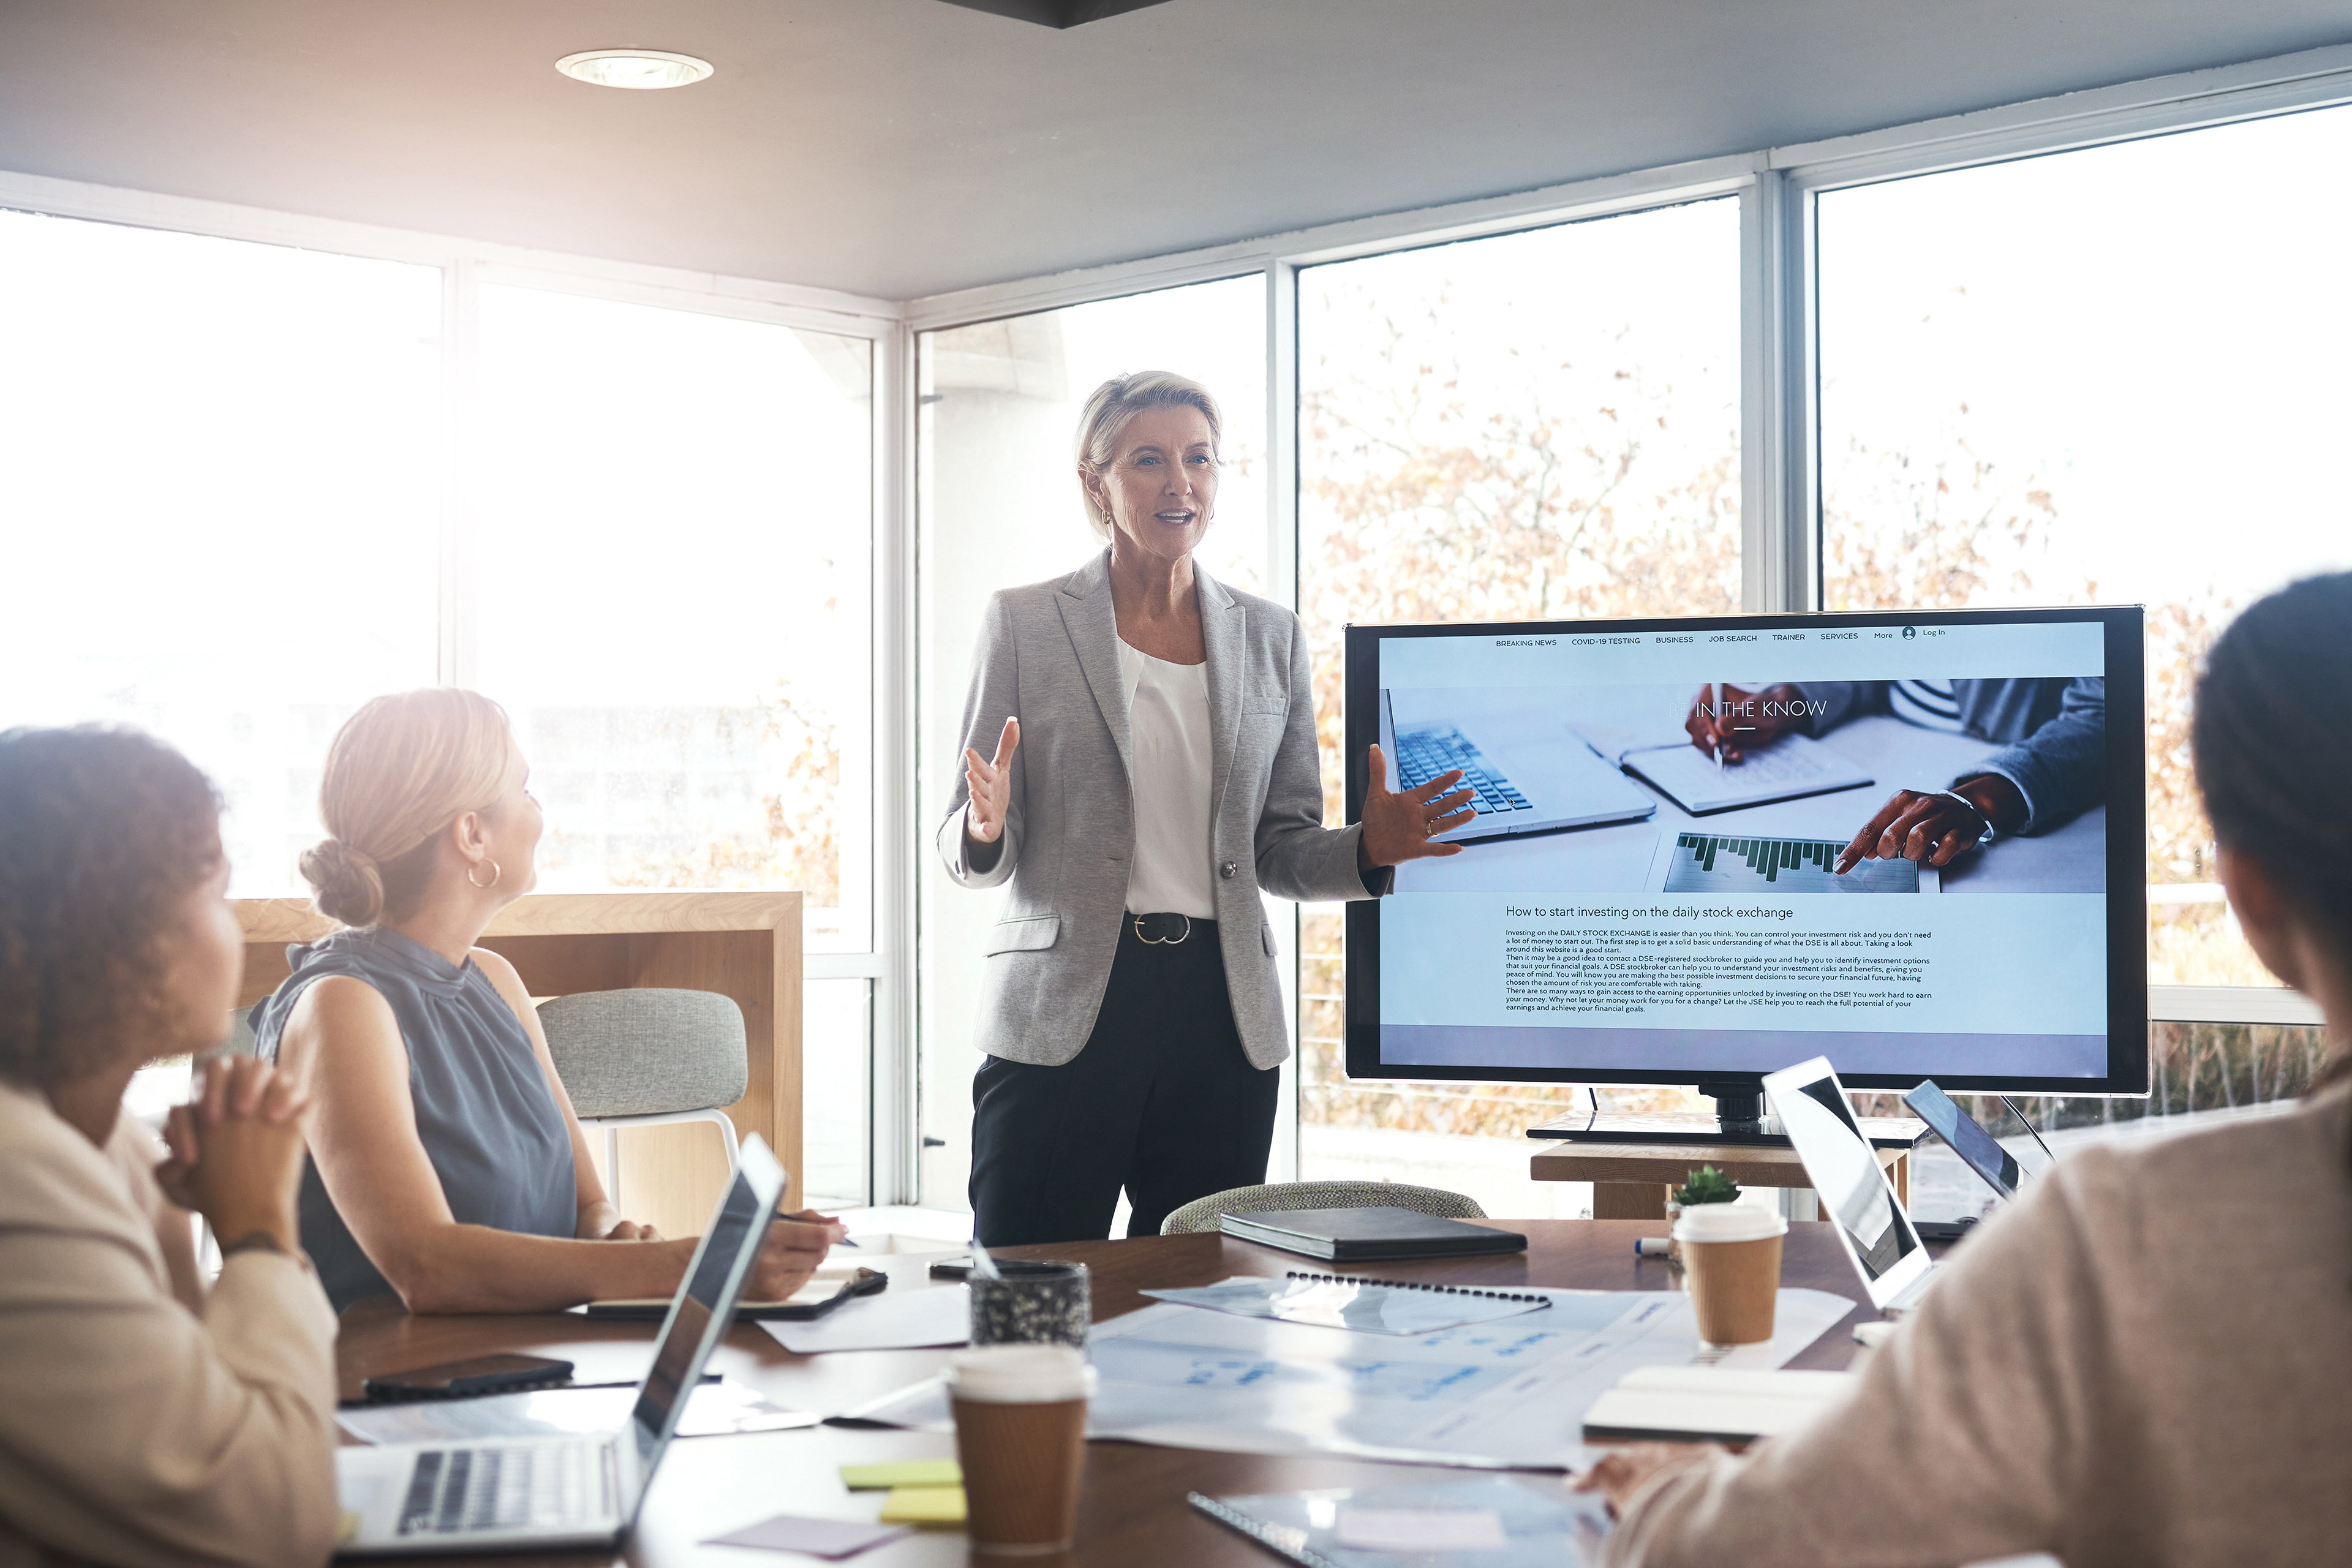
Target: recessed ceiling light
[[635, 67]]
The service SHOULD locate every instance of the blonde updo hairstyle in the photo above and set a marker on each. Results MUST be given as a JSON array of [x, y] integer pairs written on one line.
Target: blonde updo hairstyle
[[402, 769], [1120, 399]]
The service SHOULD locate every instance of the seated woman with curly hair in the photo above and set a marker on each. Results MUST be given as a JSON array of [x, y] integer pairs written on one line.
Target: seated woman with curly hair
[[447, 1165], [147, 1419]]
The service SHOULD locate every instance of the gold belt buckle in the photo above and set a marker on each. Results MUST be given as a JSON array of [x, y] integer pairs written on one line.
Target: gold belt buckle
[[1162, 940]]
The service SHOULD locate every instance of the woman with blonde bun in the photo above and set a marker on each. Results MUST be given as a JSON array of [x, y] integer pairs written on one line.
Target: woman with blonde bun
[[446, 1163]]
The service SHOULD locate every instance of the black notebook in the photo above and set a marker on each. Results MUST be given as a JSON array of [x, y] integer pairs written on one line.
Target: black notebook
[[1369, 1235]]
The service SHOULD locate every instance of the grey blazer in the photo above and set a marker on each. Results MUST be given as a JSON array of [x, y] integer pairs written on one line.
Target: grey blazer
[[1049, 656]]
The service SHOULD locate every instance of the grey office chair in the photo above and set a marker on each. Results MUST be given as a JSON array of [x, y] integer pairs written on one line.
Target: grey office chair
[[647, 1058], [1201, 1214]]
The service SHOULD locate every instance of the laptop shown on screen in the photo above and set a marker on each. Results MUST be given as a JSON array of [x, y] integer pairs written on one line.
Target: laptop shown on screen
[[1518, 783], [1856, 1196], [504, 1493]]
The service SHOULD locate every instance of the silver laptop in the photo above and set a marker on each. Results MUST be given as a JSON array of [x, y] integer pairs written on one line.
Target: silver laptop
[[1854, 1192], [413, 1498], [1518, 783]]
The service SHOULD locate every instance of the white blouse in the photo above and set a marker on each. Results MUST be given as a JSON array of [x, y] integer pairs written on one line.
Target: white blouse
[[1167, 730]]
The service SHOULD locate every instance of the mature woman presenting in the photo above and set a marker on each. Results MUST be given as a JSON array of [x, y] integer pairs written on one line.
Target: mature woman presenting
[[1153, 768]]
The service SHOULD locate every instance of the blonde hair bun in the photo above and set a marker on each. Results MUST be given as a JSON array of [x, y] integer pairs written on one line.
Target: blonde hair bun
[[401, 770], [346, 884]]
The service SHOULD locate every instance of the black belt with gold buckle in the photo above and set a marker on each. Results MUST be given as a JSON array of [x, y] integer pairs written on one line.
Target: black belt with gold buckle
[[1164, 930]]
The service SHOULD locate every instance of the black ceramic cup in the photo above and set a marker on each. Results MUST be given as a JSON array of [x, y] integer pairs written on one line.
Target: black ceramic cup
[[1041, 1303]]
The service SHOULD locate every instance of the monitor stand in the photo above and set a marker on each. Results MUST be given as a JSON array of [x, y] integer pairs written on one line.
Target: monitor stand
[[1738, 1120]]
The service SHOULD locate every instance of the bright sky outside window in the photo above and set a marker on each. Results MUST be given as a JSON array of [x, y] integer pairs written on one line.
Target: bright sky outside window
[[2055, 382], [673, 545], [226, 476]]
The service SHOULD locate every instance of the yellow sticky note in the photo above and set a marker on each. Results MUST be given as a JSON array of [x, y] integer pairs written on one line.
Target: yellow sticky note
[[923, 1505], [905, 1473]]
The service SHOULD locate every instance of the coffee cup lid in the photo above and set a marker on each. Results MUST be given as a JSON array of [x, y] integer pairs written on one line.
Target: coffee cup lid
[[1728, 1222], [1020, 1374]]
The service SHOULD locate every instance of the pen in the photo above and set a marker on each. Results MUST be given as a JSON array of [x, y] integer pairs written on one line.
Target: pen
[[1715, 701]]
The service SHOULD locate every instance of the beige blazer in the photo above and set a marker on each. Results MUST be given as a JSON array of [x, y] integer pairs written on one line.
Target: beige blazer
[[134, 1430]]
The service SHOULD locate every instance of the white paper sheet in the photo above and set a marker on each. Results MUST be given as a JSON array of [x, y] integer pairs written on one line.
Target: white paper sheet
[[896, 1319], [715, 1409], [1510, 1394]]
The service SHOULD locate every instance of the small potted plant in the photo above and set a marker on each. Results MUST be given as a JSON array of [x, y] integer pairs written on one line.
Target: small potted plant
[[1706, 1185]]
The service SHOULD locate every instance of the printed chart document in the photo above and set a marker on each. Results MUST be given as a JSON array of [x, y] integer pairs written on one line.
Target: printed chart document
[[1504, 1394], [1373, 1306], [1790, 768]]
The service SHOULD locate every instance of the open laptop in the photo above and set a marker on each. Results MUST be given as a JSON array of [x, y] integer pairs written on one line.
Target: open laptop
[[1856, 1198], [1517, 785], [498, 1493]]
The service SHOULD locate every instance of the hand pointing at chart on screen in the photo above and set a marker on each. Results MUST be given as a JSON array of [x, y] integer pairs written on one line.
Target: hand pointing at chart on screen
[[1935, 829]]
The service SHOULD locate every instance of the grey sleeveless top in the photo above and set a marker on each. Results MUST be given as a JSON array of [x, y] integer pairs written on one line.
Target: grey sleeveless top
[[488, 1121]]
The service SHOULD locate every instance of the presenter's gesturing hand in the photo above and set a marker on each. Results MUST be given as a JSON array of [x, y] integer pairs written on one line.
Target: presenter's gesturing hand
[[990, 783], [1398, 826]]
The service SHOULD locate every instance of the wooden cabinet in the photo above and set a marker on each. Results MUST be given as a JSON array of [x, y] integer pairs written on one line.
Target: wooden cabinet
[[743, 945]]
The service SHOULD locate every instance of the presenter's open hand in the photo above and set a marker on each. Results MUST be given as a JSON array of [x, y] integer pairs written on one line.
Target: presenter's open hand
[[1742, 720], [1936, 829], [1398, 826], [990, 783], [1623, 1472]]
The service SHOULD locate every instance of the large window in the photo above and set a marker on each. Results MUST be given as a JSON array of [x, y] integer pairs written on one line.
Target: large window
[[248, 489], [1543, 425], [2058, 382], [671, 574], [998, 506], [223, 502]]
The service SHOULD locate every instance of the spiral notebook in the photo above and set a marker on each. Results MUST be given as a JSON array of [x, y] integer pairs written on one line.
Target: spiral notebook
[[1492, 1522], [1352, 1302]]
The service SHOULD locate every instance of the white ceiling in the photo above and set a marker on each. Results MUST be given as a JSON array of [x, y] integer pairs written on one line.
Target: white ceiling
[[905, 147]]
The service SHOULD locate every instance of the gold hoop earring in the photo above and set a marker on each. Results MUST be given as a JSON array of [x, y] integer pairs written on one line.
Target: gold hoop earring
[[495, 874]]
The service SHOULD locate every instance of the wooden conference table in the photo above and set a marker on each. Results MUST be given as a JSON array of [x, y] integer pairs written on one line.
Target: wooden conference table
[[1133, 1513]]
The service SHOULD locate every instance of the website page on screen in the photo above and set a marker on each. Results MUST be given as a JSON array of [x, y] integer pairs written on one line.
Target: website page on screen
[[1627, 897]]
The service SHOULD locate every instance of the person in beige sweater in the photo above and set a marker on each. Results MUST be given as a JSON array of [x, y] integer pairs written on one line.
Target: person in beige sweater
[[2144, 1360], [147, 1420]]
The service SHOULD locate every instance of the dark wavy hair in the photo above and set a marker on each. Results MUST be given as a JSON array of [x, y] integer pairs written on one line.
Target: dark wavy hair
[[2272, 752], [102, 831]]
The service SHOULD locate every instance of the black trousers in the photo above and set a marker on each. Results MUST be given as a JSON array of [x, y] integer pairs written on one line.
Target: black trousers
[[1162, 1101]]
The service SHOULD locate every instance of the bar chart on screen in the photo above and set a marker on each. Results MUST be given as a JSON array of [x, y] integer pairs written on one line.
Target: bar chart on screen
[[1726, 864]]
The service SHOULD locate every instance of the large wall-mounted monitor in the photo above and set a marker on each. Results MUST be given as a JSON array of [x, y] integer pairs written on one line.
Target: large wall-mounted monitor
[[1630, 908]]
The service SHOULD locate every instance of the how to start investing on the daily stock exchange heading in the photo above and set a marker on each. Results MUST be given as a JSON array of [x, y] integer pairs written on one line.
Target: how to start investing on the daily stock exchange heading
[[1650, 912]]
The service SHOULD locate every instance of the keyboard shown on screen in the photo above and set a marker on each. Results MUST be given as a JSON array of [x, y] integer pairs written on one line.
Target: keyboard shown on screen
[[1719, 865], [1423, 754]]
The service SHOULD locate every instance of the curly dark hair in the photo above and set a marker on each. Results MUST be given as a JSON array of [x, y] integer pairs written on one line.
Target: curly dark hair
[[102, 831]]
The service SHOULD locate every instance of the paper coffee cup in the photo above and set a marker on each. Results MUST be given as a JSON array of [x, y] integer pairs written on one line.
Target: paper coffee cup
[[1731, 1263], [1020, 1437]]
